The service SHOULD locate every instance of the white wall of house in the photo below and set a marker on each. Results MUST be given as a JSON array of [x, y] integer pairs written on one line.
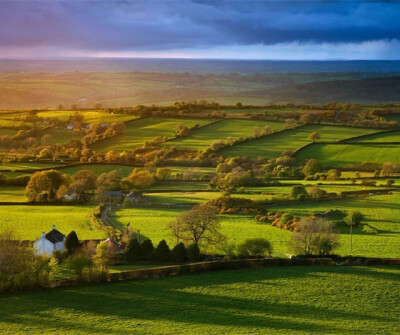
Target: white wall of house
[[43, 246], [59, 246]]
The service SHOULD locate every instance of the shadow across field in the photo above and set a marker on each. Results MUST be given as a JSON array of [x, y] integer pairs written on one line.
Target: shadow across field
[[217, 299]]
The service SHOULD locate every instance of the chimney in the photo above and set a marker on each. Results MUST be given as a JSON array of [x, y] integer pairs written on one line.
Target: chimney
[[54, 227]]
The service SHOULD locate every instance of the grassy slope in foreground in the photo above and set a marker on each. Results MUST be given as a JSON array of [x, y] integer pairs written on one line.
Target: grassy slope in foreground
[[381, 213], [273, 145], [287, 300], [139, 131], [344, 154], [28, 222], [202, 138]]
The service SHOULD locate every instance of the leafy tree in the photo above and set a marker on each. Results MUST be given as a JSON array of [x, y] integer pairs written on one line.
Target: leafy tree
[[78, 263], [388, 169], [141, 179], [312, 167], [390, 182], [72, 242], [163, 173], [297, 191], [354, 218], [193, 252], [133, 252], [104, 256], [334, 174], [255, 247], [178, 253], [162, 252], [198, 225], [285, 218], [316, 193], [314, 136]]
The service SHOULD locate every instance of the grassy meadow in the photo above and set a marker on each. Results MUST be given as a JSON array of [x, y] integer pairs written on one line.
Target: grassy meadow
[[380, 212], [139, 131], [344, 154], [12, 193], [28, 222], [221, 130], [283, 300], [90, 116], [392, 136], [272, 146]]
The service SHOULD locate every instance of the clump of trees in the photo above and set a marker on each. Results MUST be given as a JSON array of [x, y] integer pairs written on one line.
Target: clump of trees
[[20, 268], [314, 236]]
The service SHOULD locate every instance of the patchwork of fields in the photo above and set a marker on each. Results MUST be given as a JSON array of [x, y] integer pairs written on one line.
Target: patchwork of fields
[[137, 132], [380, 212], [221, 130], [272, 146]]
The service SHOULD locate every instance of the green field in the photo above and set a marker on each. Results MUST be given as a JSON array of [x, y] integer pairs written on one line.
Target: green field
[[344, 154], [176, 185], [90, 116], [12, 193], [272, 146], [393, 136], [7, 131], [59, 135], [380, 211], [283, 300], [28, 222], [12, 166], [137, 132], [202, 138]]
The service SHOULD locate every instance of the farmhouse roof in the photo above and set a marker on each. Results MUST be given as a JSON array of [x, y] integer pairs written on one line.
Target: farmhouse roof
[[55, 236], [114, 193]]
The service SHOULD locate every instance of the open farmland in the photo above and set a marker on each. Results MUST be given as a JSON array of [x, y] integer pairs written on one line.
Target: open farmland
[[273, 145], [139, 131], [392, 136], [202, 138], [344, 154], [90, 116], [12, 166], [153, 224], [12, 194], [284, 300], [28, 222]]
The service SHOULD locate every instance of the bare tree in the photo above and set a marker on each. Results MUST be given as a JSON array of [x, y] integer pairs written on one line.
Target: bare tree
[[198, 225]]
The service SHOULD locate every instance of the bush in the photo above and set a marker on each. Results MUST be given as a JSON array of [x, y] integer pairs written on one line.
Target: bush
[[60, 256], [354, 218], [162, 252], [147, 250], [255, 247], [178, 253], [72, 243], [78, 262], [133, 251], [285, 218], [193, 252], [297, 191]]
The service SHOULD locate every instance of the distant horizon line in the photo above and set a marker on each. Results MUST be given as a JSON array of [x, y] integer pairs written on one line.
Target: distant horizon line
[[195, 59]]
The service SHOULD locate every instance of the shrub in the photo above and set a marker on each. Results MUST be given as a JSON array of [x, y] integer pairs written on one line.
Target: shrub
[[255, 247], [78, 262], [354, 218], [60, 256], [193, 252], [297, 191], [285, 218], [72, 243], [178, 253], [147, 250], [162, 252], [133, 251]]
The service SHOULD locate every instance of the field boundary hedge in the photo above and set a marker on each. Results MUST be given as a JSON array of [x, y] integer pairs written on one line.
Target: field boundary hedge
[[203, 267]]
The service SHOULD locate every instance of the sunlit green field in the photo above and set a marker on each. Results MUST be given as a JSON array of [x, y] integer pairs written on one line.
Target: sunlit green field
[[137, 132], [273, 145], [279, 300], [27, 166], [90, 116], [12, 193], [344, 154], [59, 135], [202, 138], [381, 213], [384, 137], [28, 222]]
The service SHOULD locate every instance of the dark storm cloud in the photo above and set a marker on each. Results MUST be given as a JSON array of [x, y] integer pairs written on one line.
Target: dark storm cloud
[[167, 25]]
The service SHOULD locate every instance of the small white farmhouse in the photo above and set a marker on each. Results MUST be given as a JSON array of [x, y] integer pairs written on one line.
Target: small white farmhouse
[[50, 242]]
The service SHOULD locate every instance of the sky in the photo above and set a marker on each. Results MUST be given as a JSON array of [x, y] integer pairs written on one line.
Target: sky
[[273, 30]]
